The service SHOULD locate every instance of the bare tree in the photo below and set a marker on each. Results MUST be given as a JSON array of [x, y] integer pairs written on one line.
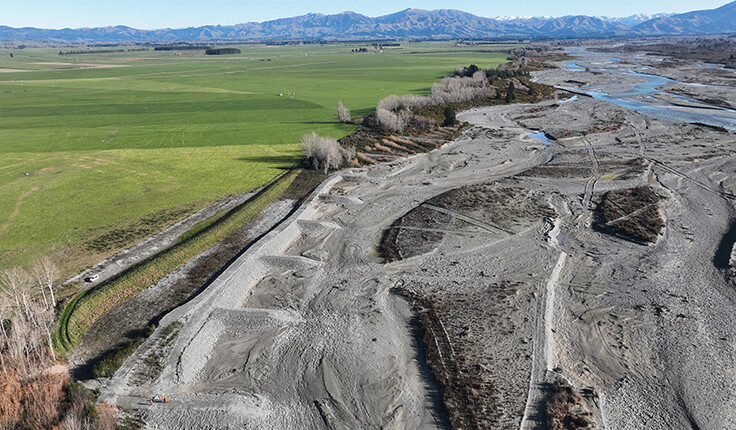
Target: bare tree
[[44, 317], [393, 121], [31, 321], [457, 89], [392, 103], [16, 283], [325, 152], [5, 307], [72, 421], [343, 113], [46, 273]]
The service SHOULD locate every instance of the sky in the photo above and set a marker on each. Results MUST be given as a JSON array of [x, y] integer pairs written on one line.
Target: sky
[[150, 14]]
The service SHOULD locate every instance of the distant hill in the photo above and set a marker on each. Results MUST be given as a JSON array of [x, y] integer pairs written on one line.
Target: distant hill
[[713, 21], [408, 23]]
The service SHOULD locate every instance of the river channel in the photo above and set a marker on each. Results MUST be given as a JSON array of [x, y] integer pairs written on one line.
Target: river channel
[[641, 97]]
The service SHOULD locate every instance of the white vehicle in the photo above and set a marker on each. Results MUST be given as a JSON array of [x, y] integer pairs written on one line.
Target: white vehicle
[[92, 278]]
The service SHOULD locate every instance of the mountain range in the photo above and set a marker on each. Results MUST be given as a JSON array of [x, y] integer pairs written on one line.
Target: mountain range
[[635, 19], [409, 23]]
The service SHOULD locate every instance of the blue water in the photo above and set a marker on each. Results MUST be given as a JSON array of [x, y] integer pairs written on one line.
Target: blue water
[[672, 113], [574, 67], [716, 66], [540, 136], [631, 99], [571, 99]]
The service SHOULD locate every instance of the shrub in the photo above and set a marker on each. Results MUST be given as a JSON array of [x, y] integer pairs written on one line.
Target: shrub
[[419, 122], [43, 399], [11, 397], [450, 119], [131, 423], [82, 412], [559, 409], [511, 93], [107, 367], [106, 417], [76, 394], [631, 213]]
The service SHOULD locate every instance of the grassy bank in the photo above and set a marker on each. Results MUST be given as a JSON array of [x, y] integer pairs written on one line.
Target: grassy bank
[[86, 307]]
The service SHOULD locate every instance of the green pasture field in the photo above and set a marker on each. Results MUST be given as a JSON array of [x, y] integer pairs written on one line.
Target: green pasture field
[[100, 150]]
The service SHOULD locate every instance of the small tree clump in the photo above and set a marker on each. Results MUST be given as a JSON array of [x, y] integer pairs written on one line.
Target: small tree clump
[[460, 89], [396, 103], [325, 152], [343, 113], [466, 71]]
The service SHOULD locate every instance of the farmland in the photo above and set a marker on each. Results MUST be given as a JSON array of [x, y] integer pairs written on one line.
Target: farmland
[[100, 150]]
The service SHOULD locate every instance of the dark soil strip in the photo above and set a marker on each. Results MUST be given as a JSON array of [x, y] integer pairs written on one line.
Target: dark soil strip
[[462, 396], [434, 389]]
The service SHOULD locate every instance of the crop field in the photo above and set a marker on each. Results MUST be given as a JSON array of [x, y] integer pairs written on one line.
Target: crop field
[[99, 150]]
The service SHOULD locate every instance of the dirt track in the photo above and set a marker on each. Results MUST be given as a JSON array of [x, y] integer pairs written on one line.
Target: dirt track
[[304, 332]]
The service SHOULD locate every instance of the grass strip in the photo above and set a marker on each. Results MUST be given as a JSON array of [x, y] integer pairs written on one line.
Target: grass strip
[[59, 338], [201, 226], [87, 306]]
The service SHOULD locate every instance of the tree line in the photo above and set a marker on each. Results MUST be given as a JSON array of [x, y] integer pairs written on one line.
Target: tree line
[[181, 48], [503, 73], [101, 51], [222, 51]]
